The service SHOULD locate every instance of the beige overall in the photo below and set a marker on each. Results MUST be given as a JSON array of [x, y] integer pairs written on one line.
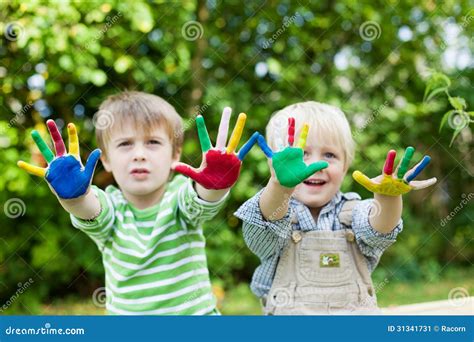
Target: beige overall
[[322, 273]]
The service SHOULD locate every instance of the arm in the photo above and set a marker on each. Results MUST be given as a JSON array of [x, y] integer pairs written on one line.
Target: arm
[[263, 237], [386, 209], [86, 207]]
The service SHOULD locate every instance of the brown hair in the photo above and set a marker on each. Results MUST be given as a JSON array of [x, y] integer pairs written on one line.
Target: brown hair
[[143, 111]]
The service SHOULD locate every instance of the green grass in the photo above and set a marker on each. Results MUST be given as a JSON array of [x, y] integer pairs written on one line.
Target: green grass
[[240, 300]]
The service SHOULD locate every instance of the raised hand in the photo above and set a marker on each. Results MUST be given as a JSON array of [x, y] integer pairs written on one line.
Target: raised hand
[[288, 164], [399, 182], [220, 166], [65, 173]]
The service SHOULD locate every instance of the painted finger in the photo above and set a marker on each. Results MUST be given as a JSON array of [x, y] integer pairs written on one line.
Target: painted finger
[[416, 170], [291, 131], [236, 133], [73, 141], [34, 170], [248, 146], [388, 166], [58, 142], [42, 146], [303, 136], [202, 134], [264, 146], [405, 162], [417, 185], [223, 128], [365, 181]]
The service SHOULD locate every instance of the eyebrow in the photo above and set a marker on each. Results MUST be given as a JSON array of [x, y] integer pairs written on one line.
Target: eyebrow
[[159, 137]]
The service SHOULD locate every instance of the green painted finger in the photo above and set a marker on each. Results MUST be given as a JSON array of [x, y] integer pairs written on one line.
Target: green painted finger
[[315, 167], [405, 163], [42, 146], [203, 135]]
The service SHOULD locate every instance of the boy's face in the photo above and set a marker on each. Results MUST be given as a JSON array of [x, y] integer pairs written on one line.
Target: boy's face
[[318, 189], [141, 164]]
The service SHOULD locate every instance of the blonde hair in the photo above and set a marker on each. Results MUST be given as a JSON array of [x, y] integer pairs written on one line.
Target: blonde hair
[[327, 123], [140, 110]]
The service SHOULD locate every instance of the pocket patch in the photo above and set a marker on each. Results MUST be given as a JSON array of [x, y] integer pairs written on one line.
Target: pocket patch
[[329, 260]]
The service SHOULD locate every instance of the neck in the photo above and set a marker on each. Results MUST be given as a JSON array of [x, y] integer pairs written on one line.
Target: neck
[[315, 213], [146, 201]]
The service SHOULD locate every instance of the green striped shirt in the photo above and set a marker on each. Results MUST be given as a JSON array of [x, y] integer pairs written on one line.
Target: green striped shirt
[[154, 259]]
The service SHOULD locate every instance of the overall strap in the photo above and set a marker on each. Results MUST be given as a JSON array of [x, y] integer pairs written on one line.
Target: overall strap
[[345, 215]]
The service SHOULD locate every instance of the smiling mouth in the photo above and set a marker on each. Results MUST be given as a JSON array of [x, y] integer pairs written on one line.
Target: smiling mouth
[[314, 182]]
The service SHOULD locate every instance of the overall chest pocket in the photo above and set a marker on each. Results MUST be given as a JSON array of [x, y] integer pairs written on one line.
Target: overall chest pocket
[[325, 261]]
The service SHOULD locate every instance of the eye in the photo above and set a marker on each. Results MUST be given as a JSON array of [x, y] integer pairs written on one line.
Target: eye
[[124, 143], [154, 142], [329, 155], [305, 153]]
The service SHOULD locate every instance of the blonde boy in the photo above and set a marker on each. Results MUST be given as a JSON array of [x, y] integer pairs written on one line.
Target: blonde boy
[[149, 229], [318, 246]]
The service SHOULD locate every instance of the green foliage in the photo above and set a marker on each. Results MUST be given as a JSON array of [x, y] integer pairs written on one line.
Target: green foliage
[[84, 51], [457, 118]]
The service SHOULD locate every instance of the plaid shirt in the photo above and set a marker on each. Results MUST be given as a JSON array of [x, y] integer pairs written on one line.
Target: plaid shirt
[[267, 238]]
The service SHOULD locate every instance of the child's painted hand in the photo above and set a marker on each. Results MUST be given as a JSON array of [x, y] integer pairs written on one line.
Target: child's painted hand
[[220, 166], [288, 164], [399, 182], [64, 173]]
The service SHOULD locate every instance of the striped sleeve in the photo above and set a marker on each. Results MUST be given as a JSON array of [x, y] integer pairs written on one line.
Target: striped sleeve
[[371, 242], [264, 238], [194, 210], [99, 229]]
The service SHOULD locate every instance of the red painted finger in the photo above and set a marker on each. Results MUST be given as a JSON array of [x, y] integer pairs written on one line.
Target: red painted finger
[[291, 131], [58, 142], [388, 167]]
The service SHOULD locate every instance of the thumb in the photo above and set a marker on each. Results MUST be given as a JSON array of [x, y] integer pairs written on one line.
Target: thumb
[[315, 167], [92, 163], [186, 170]]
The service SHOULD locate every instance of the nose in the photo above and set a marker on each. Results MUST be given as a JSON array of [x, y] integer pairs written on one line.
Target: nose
[[139, 153]]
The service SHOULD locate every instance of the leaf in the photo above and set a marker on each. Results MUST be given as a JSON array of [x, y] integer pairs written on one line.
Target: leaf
[[436, 84], [445, 119], [457, 102]]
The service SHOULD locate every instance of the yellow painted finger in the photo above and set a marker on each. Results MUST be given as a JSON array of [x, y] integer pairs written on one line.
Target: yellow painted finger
[[303, 136], [236, 133], [365, 181], [73, 140], [34, 170]]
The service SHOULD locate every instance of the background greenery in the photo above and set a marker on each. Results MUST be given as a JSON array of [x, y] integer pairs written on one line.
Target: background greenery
[[61, 59]]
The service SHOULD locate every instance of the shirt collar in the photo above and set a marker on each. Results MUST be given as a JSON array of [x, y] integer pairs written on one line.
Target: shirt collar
[[303, 214]]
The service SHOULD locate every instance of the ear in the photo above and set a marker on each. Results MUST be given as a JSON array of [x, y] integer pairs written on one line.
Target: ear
[[105, 162]]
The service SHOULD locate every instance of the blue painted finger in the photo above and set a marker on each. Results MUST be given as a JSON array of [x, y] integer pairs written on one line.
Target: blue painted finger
[[263, 145], [248, 146], [420, 167]]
